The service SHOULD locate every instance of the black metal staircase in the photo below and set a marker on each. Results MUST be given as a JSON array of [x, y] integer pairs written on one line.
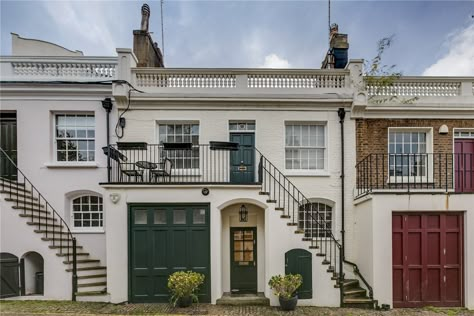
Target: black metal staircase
[[315, 230], [31, 204]]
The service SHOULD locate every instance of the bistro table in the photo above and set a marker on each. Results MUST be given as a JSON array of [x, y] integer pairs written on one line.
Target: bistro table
[[146, 165]]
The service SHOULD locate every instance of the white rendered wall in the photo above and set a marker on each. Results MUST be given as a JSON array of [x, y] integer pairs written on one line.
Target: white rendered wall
[[278, 239], [36, 159], [383, 205]]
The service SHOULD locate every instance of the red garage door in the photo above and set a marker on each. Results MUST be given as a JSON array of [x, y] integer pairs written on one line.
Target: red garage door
[[427, 254]]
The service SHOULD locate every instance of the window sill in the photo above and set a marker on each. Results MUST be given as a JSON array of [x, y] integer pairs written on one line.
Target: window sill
[[306, 173], [92, 231], [56, 164]]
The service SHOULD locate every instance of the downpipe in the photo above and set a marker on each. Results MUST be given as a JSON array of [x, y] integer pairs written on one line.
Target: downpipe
[[342, 114]]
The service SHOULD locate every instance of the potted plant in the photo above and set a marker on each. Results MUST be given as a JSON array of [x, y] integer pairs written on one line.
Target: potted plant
[[183, 286], [285, 288]]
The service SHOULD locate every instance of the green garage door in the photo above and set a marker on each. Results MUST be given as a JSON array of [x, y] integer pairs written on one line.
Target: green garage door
[[165, 239]]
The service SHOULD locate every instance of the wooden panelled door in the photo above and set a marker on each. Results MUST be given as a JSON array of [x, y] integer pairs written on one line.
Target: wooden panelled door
[[243, 269], [427, 256], [464, 165]]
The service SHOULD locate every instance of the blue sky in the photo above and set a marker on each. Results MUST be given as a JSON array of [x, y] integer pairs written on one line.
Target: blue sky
[[431, 37]]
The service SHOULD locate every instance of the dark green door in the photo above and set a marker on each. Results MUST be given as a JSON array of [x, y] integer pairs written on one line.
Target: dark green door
[[299, 261], [9, 275], [243, 270], [8, 144], [242, 161], [165, 239]]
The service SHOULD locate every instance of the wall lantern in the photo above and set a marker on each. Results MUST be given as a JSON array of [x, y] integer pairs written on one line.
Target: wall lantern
[[243, 213], [443, 129]]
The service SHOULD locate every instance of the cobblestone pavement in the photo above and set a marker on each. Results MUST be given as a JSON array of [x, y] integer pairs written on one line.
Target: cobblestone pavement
[[56, 308]]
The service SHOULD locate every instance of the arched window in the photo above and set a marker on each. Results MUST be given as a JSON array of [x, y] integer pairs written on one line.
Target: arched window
[[316, 219], [87, 212]]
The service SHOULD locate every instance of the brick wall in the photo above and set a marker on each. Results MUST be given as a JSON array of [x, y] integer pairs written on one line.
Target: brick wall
[[372, 138]]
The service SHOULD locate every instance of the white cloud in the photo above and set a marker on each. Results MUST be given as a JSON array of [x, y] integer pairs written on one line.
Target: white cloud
[[86, 26], [274, 61], [459, 60]]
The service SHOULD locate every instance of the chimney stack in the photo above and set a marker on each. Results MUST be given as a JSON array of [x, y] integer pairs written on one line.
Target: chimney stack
[[337, 55], [148, 53]]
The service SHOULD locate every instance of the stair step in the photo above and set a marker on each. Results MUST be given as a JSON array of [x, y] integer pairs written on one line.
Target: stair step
[[279, 208], [357, 291], [64, 247], [83, 261], [44, 224], [271, 201], [285, 216], [17, 194], [306, 238], [292, 224], [40, 217], [70, 254], [357, 300], [27, 203], [351, 283], [92, 276], [320, 255], [314, 247], [92, 284], [28, 208], [263, 193], [91, 293], [8, 182], [13, 189], [45, 231], [299, 231], [330, 269], [326, 262], [88, 268]]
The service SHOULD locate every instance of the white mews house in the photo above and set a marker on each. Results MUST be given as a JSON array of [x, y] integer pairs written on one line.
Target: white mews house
[[52, 130]]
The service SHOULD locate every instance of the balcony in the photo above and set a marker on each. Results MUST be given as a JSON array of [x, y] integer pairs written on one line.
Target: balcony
[[183, 163], [412, 173]]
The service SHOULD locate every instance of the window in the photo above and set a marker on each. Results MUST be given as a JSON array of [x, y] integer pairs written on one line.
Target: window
[[181, 133], [407, 153], [75, 137], [315, 219], [87, 212], [305, 147]]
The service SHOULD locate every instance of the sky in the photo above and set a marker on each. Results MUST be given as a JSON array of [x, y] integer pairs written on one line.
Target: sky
[[434, 38]]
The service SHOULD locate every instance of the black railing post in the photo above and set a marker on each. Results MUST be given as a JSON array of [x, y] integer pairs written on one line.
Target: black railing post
[[74, 269]]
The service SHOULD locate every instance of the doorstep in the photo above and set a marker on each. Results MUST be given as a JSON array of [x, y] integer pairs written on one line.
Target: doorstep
[[243, 299]]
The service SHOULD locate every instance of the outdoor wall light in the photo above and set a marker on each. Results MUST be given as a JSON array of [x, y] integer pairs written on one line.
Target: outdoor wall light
[[443, 129], [243, 213]]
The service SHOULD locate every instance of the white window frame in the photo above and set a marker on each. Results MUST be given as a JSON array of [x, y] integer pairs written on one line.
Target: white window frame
[[308, 172], [182, 171], [90, 229], [428, 178], [56, 139], [327, 203]]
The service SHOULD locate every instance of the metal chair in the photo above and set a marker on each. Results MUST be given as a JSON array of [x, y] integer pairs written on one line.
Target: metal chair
[[165, 170]]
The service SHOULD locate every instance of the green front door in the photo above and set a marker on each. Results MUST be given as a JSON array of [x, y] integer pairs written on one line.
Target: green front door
[[165, 239], [9, 145], [243, 261], [242, 161], [299, 261]]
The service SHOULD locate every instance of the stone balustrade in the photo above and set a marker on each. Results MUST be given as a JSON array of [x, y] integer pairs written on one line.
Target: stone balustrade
[[58, 68], [424, 87]]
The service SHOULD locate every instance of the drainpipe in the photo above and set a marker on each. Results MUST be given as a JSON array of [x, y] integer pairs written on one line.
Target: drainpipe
[[107, 105], [342, 114]]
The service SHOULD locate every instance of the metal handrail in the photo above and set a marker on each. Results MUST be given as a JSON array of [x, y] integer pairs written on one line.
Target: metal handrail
[[60, 235]]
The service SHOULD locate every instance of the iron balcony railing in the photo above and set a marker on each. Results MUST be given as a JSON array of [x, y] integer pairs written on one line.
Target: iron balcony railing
[[18, 189], [435, 172]]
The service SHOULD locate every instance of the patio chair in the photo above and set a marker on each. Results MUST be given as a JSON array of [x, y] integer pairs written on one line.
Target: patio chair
[[164, 171], [131, 170]]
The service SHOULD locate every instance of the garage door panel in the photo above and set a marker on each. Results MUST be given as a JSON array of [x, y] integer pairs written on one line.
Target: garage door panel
[[199, 247], [415, 282], [433, 248], [160, 249], [398, 284], [414, 222], [142, 285], [397, 249], [433, 288], [178, 248], [452, 248], [433, 221], [452, 222], [160, 287], [452, 284], [414, 249], [397, 222], [140, 255]]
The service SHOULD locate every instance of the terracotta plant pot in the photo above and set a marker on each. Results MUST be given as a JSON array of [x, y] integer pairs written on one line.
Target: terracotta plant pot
[[288, 304], [185, 301]]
